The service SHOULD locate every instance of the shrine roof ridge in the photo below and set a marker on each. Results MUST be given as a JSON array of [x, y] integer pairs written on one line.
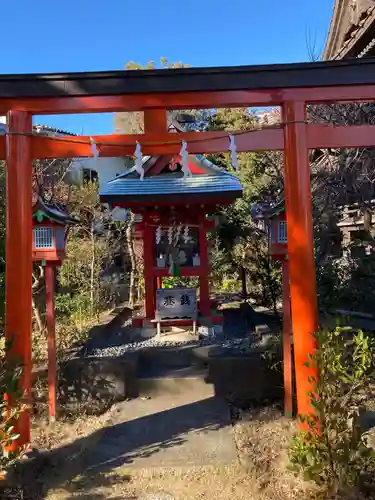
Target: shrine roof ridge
[[167, 184], [274, 76]]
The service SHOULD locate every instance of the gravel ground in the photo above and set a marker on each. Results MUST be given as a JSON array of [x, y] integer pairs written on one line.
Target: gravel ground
[[238, 333], [121, 349]]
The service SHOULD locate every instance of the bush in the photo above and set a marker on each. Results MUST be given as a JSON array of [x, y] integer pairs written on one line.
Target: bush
[[10, 373], [178, 281], [334, 452]]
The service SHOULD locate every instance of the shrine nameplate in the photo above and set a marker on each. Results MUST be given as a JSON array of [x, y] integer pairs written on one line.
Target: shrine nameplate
[[176, 303]]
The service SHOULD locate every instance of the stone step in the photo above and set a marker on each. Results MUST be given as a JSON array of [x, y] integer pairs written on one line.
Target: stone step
[[177, 356], [169, 381]]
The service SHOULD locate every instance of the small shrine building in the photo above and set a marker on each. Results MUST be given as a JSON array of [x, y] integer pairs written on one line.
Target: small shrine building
[[173, 209]]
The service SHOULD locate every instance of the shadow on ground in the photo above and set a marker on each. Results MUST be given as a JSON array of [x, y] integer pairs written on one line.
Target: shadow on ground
[[93, 459]]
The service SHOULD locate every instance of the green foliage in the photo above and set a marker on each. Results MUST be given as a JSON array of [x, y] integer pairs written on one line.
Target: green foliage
[[347, 283], [230, 285], [132, 123], [10, 373], [239, 246], [334, 451], [174, 282], [2, 243], [164, 64], [74, 308], [89, 254]]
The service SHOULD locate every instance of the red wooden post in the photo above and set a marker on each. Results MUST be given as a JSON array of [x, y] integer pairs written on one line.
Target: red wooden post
[[148, 257], [204, 286], [155, 121], [159, 282], [18, 308], [51, 338], [287, 348], [300, 248]]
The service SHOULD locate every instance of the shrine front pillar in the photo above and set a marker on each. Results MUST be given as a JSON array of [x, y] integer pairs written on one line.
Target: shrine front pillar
[[204, 275], [149, 264]]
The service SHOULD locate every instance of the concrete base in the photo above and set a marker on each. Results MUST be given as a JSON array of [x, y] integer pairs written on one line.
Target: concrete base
[[147, 333], [173, 381], [216, 318], [245, 378], [242, 377], [168, 334], [98, 379]]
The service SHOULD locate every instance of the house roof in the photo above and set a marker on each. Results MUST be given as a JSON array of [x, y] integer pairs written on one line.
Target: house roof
[[352, 29], [40, 129], [47, 130]]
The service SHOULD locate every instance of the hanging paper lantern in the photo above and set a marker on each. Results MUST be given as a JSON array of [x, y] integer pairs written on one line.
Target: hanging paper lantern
[[138, 166], [233, 151]]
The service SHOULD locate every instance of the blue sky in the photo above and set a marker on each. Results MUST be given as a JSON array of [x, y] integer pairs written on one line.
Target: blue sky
[[41, 36]]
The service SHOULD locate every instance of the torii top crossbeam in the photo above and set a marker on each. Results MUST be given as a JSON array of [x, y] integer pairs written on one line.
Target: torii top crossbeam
[[222, 79], [290, 86]]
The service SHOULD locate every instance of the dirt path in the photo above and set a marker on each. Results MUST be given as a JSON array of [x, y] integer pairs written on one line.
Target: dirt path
[[258, 473]]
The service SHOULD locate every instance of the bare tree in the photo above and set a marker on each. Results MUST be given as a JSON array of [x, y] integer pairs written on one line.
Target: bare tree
[[48, 185]]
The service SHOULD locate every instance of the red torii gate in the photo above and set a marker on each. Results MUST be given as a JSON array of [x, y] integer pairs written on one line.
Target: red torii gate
[[292, 87]]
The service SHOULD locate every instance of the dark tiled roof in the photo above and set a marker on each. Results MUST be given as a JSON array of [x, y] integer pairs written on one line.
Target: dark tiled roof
[[53, 212], [170, 184]]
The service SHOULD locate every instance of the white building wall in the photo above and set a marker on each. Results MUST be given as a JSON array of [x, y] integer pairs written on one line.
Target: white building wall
[[107, 168]]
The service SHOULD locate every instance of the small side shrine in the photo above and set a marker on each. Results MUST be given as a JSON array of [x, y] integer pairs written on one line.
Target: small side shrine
[[174, 199]]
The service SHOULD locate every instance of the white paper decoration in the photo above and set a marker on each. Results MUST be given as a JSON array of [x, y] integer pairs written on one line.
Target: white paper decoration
[[186, 234], [170, 235], [233, 151], [178, 233], [185, 161], [158, 234], [138, 166], [94, 148]]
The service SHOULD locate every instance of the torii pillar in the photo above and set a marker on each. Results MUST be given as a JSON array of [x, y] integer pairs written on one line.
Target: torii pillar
[[18, 264], [298, 202]]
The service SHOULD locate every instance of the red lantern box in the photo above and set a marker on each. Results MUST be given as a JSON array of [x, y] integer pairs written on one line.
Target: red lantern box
[[278, 238], [50, 225]]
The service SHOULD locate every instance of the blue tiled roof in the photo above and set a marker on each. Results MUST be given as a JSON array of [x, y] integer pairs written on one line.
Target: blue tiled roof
[[168, 184]]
